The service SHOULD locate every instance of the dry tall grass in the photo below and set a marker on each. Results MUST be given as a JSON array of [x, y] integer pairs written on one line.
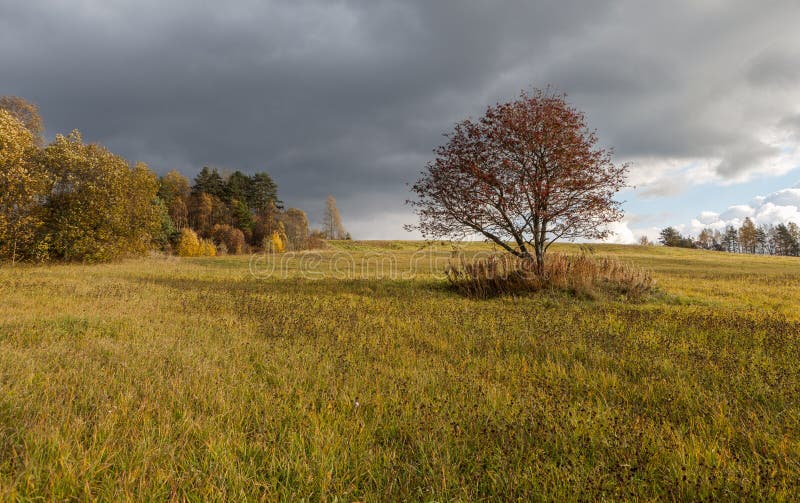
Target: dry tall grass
[[582, 274]]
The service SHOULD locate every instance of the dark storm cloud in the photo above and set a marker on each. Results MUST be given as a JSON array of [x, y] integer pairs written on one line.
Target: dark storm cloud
[[350, 97], [775, 68]]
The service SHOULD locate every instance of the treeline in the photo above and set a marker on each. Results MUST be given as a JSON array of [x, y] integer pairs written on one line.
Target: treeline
[[781, 239], [73, 201], [232, 213]]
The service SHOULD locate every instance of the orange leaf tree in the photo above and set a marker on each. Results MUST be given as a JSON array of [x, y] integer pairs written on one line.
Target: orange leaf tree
[[525, 175]]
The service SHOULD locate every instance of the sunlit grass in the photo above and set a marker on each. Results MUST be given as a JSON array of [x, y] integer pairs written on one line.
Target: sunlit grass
[[192, 378]]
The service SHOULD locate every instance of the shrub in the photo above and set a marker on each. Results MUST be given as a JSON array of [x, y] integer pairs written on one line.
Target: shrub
[[276, 243], [231, 237], [316, 240], [578, 274], [207, 248], [189, 244]]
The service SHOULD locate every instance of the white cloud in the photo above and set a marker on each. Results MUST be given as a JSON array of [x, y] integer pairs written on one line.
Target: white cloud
[[620, 234], [773, 214], [739, 211], [779, 207], [775, 153], [785, 197], [651, 233], [708, 217]]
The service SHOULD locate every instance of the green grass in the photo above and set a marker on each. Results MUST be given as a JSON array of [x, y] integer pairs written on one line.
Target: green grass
[[168, 378]]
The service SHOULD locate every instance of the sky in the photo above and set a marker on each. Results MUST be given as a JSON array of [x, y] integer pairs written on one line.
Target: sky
[[350, 97]]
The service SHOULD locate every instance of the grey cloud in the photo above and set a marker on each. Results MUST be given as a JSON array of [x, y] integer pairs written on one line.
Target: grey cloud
[[791, 123], [664, 188], [744, 155], [775, 68], [350, 97]]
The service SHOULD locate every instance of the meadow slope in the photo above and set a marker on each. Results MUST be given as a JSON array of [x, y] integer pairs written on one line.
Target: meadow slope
[[167, 378]]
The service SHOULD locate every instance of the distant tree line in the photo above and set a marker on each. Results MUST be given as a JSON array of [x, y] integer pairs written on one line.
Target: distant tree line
[[781, 239], [74, 201], [235, 212]]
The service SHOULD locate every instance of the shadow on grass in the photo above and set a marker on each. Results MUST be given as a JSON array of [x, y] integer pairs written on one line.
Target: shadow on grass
[[373, 287], [279, 306]]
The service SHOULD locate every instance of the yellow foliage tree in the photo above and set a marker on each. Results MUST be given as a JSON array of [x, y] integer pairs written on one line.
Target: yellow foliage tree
[[26, 112], [748, 236], [277, 243], [23, 183], [189, 245], [175, 191], [207, 248], [100, 207]]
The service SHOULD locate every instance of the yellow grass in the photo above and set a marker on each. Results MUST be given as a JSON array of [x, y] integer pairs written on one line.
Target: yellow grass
[[167, 378]]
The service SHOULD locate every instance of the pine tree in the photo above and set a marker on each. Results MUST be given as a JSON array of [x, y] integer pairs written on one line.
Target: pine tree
[[209, 181], [761, 239], [730, 239], [263, 194]]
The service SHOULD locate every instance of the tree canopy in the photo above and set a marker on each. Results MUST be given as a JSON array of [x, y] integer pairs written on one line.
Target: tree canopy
[[26, 112], [23, 183], [100, 207], [524, 175], [74, 201]]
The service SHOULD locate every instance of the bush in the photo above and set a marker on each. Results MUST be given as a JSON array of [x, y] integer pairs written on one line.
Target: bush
[[276, 243], [316, 240], [207, 248], [230, 237], [188, 244], [578, 274]]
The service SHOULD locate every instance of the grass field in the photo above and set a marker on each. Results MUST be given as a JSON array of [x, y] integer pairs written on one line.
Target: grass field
[[167, 378]]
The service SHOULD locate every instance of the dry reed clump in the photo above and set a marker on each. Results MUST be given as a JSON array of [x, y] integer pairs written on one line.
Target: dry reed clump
[[578, 274]]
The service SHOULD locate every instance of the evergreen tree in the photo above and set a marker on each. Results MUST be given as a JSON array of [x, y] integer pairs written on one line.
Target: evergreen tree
[[730, 240], [241, 215], [761, 239], [263, 194], [786, 244], [210, 182], [238, 187], [670, 237]]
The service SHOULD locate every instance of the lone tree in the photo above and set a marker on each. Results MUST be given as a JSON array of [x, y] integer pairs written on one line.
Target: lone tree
[[525, 175]]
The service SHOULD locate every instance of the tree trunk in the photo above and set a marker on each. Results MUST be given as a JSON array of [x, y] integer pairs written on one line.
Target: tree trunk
[[540, 258]]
